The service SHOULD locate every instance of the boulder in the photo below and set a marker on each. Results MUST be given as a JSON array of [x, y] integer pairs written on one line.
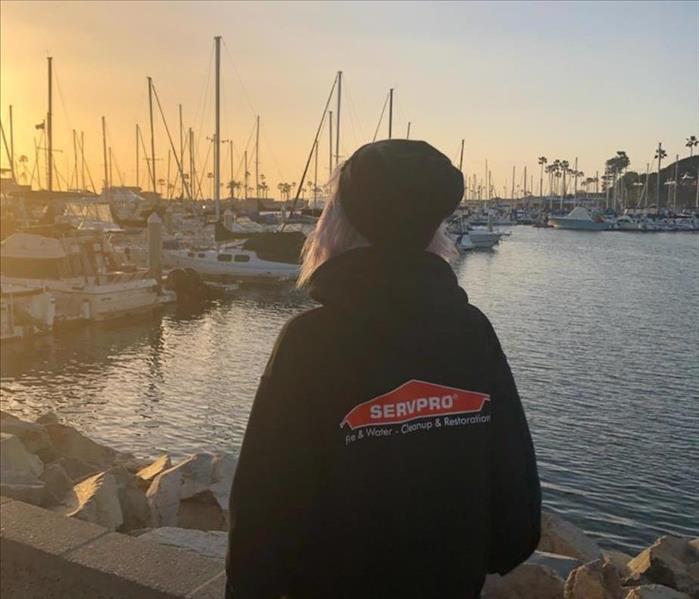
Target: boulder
[[619, 560], [533, 580], [148, 473], [77, 469], [134, 505], [594, 580], [182, 495], [212, 544], [222, 478], [96, 500], [655, 591], [33, 436], [58, 484], [28, 492], [202, 511], [560, 564], [670, 561], [17, 465], [70, 443], [561, 537]]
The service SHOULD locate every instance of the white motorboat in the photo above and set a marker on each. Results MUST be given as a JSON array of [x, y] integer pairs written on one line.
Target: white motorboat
[[242, 256], [25, 311], [643, 225], [85, 277], [579, 219], [230, 262]]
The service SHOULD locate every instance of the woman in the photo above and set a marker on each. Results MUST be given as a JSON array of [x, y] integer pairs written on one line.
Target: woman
[[387, 452]]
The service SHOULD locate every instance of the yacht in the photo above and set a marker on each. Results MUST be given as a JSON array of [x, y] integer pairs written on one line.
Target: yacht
[[579, 219], [87, 279]]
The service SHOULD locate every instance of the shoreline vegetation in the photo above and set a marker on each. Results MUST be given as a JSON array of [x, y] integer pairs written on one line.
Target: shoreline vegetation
[[52, 465]]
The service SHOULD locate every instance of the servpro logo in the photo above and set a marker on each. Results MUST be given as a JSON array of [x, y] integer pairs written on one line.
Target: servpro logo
[[413, 400]]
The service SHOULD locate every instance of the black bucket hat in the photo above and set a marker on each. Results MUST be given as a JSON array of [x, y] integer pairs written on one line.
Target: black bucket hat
[[398, 191]]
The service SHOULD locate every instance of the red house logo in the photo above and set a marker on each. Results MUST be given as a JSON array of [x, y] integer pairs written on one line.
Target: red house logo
[[413, 400]]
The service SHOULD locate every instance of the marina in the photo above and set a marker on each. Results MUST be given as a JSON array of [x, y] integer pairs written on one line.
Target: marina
[[601, 351]]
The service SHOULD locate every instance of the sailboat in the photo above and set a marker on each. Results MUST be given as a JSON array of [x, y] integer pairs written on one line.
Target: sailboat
[[237, 256]]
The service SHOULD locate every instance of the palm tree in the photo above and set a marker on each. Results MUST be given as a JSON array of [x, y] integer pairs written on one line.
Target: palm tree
[[542, 162], [692, 142], [23, 160], [659, 155]]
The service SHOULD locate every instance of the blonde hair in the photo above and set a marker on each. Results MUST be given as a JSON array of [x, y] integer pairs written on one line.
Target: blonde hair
[[335, 235]]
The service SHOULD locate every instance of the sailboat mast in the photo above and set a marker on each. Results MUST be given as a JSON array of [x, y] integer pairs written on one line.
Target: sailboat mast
[[82, 159], [513, 183], [461, 156], [181, 152], [12, 147], [339, 103], [407, 135], [138, 177], [330, 137], [315, 178], [152, 133], [245, 182], [230, 181], [257, 157], [49, 128], [104, 156], [217, 134], [192, 173], [75, 159], [390, 113]]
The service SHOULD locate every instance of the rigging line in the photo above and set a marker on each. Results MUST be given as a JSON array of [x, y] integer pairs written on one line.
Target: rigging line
[[241, 160], [169, 137], [240, 80], [61, 98], [274, 156], [203, 171], [378, 125], [201, 112], [310, 154], [143, 147], [116, 164], [353, 114], [87, 167]]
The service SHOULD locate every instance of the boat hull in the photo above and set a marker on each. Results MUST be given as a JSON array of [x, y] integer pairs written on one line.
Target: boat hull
[[577, 224]]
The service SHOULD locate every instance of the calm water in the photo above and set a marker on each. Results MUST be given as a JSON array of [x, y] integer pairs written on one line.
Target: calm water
[[601, 330]]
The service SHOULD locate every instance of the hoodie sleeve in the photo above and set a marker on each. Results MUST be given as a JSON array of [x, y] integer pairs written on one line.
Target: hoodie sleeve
[[273, 484], [515, 492]]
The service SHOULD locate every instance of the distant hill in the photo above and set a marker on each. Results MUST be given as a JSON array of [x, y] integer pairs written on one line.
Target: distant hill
[[687, 171]]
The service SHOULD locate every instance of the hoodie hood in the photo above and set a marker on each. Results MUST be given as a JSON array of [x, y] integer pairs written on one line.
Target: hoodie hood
[[395, 293]]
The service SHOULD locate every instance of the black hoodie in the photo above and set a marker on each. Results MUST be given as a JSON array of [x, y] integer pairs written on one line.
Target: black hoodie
[[387, 452]]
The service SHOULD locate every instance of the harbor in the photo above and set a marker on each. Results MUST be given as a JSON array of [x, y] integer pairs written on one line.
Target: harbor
[[481, 251]]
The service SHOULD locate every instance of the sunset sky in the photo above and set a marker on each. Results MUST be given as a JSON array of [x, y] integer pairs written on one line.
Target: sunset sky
[[516, 80]]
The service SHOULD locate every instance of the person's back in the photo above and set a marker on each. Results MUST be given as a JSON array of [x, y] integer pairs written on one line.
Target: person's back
[[387, 454]]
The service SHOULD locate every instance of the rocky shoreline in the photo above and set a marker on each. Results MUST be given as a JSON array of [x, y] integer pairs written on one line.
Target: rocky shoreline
[[185, 504]]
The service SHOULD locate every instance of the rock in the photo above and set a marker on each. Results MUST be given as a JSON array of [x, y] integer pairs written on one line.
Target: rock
[[561, 537], [33, 436], [222, 478], [211, 544], [192, 479], [17, 465], [655, 591], [202, 511], [148, 473], [560, 564], [28, 492], [77, 469], [134, 505], [58, 484], [70, 443], [47, 418], [670, 561], [525, 582], [96, 500], [618, 559], [594, 580]]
